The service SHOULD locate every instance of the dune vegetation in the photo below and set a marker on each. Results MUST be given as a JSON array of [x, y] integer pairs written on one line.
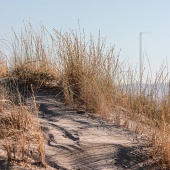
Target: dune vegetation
[[89, 75]]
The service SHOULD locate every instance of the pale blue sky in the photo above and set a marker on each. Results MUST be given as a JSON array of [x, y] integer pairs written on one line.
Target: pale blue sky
[[120, 21]]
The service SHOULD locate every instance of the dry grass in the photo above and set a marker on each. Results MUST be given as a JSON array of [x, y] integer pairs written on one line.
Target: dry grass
[[31, 58], [86, 73], [92, 76], [95, 76], [3, 65], [20, 129]]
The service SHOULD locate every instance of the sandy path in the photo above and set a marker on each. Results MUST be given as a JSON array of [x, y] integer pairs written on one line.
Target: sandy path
[[80, 141]]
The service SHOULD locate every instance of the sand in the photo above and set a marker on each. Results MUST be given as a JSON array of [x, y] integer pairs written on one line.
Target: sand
[[79, 140]]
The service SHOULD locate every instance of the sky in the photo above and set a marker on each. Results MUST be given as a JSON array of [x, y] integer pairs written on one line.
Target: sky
[[119, 21]]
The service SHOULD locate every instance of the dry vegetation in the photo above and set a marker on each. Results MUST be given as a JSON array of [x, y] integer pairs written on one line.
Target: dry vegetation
[[3, 66], [20, 129], [88, 74]]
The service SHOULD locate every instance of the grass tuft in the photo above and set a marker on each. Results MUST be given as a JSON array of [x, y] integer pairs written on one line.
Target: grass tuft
[[30, 59], [21, 132]]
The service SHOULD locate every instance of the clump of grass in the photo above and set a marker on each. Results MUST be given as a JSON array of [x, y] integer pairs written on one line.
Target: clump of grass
[[88, 71], [3, 65], [30, 61], [147, 106], [20, 130]]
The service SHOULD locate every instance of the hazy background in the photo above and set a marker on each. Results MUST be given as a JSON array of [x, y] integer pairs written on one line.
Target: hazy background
[[120, 21]]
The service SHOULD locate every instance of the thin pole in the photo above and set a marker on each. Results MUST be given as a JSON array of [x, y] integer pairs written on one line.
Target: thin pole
[[140, 58]]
